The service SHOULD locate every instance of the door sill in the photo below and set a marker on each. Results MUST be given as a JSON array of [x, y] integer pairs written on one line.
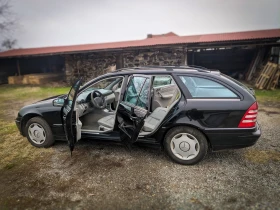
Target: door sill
[[95, 131]]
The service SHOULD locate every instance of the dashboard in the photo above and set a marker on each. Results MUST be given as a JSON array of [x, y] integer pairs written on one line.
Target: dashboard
[[84, 104]]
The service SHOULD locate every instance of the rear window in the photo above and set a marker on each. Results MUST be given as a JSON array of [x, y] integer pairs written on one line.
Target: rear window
[[205, 88], [239, 83]]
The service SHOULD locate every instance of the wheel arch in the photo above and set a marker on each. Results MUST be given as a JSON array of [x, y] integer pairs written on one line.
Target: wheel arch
[[25, 119], [187, 125]]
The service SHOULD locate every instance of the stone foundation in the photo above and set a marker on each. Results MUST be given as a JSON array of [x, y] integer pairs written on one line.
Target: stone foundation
[[154, 58], [87, 66]]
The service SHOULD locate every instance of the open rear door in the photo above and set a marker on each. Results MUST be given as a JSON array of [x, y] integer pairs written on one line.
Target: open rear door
[[70, 120], [133, 108]]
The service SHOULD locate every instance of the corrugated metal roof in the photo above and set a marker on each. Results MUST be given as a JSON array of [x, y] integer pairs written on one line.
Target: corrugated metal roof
[[156, 40]]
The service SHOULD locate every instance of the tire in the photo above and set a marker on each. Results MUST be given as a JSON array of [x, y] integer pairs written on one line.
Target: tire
[[185, 145], [39, 133]]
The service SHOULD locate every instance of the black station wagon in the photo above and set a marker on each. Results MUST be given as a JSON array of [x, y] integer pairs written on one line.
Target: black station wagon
[[186, 110]]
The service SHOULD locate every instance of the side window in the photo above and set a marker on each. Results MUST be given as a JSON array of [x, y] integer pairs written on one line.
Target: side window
[[162, 80], [137, 91], [205, 88], [144, 95]]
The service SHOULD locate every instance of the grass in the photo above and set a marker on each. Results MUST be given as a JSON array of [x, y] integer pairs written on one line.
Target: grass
[[265, 95], [22, 92], [262, 156], [268, 95], [14, 148]]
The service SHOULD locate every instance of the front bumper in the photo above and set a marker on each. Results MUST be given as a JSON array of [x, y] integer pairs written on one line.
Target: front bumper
[[234, 139], [18, 123]]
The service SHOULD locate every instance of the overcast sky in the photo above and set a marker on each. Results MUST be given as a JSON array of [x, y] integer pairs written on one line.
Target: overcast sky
[[67, 22]]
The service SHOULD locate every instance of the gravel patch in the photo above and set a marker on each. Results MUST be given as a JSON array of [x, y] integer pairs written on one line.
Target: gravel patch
[[106, 176]]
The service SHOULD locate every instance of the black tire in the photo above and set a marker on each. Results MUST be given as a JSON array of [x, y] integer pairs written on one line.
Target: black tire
[[202, 141], [49, 141]]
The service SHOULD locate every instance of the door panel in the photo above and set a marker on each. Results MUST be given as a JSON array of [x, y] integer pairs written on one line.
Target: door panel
[[217, 113], [71, 123], [162, 95]]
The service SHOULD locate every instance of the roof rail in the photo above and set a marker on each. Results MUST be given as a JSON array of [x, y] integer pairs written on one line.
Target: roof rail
[[201, 67], [117, 70], [198, 68], [168, 68], [176, 67]]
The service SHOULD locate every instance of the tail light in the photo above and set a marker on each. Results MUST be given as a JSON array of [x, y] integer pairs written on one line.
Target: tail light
[[250, 117]]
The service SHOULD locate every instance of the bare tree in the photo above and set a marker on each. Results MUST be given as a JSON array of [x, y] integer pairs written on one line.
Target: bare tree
[[7, 23], [9, 44]]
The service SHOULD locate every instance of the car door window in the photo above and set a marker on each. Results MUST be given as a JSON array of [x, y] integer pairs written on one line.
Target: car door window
[[144, 95], [206, 88], [162, 80], [137, 91]]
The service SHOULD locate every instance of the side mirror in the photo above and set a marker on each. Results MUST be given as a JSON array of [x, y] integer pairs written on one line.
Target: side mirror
[[58, 102]]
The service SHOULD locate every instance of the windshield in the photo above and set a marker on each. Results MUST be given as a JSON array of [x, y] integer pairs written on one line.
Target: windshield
[[105, 86]]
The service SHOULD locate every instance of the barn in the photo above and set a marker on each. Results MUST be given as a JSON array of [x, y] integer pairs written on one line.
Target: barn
[[238, 54]]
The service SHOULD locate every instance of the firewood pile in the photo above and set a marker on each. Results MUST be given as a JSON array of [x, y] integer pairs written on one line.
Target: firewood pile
[[269, 76]]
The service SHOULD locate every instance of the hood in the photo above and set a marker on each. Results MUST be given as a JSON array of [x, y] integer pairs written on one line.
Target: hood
[[46, 100], [44, 105]]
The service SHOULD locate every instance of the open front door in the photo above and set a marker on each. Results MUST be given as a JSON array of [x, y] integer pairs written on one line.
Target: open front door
[[133, 108], [70, 119]]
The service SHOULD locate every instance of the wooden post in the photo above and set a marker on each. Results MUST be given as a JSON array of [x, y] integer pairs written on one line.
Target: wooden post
[[18, 67], [193, 58], [119, 61], [185, 56]]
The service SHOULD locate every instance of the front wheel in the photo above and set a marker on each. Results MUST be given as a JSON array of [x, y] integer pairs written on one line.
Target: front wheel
[[39, 133], [185, 145]]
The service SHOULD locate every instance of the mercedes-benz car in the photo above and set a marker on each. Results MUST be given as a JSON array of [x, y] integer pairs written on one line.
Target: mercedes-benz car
[[186, 110]]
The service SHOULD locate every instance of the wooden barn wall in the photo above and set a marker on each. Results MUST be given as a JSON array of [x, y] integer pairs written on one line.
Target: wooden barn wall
[[44, 64], [8, 67], [229, 61], [90, 65], [30, 65]]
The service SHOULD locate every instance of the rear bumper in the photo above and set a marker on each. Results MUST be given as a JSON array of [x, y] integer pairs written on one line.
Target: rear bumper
[[234, 139]]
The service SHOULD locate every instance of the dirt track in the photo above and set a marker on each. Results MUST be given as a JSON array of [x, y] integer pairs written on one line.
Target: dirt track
[[104, 176]]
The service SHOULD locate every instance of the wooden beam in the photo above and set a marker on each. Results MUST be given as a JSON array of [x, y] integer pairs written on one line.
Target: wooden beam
[[185, 56], [119, 61], [18, 67], [193, 58]]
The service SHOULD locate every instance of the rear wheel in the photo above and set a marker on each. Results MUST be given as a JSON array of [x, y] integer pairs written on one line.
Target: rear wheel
[[185, 145], [39, 133]]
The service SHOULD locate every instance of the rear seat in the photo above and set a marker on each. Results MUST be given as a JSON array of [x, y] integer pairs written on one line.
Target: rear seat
[[151, 122], [155, 118]]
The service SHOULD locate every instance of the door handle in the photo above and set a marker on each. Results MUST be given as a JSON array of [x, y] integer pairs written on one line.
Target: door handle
[[133, 118]]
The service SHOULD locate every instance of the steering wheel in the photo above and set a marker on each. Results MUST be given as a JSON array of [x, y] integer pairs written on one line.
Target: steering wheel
[[98, 100]]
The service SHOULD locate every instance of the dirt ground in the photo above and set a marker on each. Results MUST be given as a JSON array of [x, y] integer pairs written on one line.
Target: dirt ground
[[106, 176]]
